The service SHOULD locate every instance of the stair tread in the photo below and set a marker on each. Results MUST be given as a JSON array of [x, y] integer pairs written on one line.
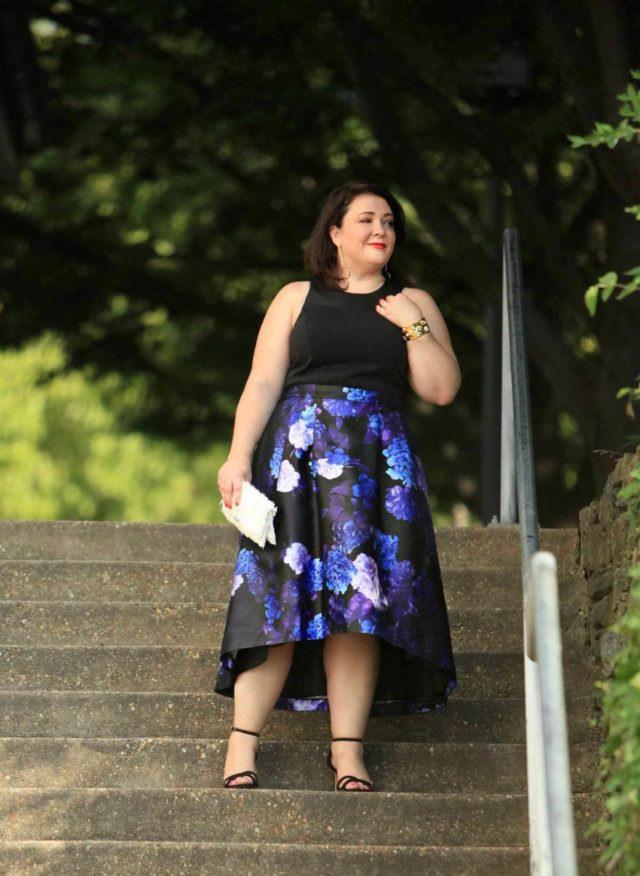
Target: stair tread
[[114, 739]]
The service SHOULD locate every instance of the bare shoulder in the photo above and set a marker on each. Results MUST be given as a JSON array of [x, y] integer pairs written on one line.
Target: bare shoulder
[[422, 298], [290, 299], [293, 291]]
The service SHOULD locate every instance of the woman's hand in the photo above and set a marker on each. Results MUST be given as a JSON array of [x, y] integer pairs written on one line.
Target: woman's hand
[[399, 309], [230, 476]]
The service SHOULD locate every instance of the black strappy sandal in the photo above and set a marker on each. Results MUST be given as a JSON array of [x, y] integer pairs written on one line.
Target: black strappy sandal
[[340, 784], [252, 775]]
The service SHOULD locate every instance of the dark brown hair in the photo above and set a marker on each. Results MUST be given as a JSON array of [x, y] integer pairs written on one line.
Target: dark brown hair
[[321, 254]]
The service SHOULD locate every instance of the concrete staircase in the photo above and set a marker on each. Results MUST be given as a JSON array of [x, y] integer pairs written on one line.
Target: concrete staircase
[[112, 741]]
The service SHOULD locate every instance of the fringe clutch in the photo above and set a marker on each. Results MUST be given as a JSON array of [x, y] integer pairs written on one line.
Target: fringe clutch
[[253, 515]]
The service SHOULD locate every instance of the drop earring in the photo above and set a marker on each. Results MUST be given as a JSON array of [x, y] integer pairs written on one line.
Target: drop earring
[[345, 273], [386, 271]]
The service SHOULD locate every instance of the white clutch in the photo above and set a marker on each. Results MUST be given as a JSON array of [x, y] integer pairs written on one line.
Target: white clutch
[[253, 515]]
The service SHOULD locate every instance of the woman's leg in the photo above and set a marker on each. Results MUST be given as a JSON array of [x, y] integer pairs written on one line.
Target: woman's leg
[[351, 664], [254, 696]]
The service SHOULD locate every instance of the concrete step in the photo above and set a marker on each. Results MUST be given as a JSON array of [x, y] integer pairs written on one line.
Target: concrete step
[[284, 816], [440, 768], [77, 624], [105, 540], [112, 740], [197, 715], [182, 668], [133, 581], [105, 858]]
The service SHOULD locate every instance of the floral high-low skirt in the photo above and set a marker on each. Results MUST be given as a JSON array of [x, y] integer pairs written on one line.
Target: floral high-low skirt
[[355, 552]]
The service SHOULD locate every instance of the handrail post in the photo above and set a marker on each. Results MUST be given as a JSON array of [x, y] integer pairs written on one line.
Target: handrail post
[[554, 723], [551, 829], [507, 430]]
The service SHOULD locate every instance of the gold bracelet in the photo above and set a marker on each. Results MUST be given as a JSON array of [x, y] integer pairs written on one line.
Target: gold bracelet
[[415, 330]]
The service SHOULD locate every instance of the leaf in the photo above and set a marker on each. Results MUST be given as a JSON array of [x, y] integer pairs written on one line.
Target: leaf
[[591, 299], [628, 289]]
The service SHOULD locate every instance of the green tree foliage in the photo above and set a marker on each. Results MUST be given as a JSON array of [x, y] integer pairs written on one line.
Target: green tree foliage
[[164, 163], [619, 776], [63, 454]]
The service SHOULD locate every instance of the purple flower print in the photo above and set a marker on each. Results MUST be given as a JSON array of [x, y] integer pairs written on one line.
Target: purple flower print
[[237, 581], [337, 455], [401, 502], [272, 608], [355, 549], [374, 427], [366, 491], [300, 435], [328, 469], [288, 478], [392, 426], [296, 556], [309, 413], [270, 633], [400, 460], [366, 580], [337, 610], [402, 576], [313, 577], [338, 497], [358, 394], [338, 407], [402, 587], [290, 592], [317, 628], [386, 547], [421, 481], [290, 623], [339, 570], [310, 705], [246, 562], [350, 533], [248, 566], [276, 457], [336, 440], [358, 608]]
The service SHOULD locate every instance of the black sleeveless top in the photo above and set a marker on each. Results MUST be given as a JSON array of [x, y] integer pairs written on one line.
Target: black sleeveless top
[[339, 338]]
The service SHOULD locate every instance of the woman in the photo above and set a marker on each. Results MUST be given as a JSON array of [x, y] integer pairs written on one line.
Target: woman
[[346, 612]]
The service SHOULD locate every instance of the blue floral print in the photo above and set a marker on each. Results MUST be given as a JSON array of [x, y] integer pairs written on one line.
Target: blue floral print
[[355, 552]]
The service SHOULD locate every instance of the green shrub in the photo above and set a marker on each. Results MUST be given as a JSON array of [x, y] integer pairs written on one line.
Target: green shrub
[[65, 454], [619, 777]]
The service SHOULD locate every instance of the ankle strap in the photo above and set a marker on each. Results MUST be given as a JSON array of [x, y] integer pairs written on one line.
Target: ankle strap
[[346, 739], [240, 730]]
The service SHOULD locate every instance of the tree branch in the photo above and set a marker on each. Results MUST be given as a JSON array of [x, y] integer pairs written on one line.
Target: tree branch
[[619, 168]]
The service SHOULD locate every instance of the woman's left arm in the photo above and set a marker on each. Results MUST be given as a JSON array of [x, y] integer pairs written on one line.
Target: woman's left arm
[[434, 372]]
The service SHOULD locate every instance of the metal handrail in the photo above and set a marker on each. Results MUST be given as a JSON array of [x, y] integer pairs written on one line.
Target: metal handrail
[[551, 825]]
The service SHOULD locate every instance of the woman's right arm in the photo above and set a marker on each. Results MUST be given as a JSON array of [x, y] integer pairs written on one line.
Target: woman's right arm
[[261, 392]]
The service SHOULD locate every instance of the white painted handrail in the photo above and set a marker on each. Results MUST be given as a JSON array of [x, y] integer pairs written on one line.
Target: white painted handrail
[[551, 826]]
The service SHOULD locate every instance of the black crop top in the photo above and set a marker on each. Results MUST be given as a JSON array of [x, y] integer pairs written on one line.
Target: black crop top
[[339, 338]]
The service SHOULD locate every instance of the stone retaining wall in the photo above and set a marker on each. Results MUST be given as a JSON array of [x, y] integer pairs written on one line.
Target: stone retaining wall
[[605, 556]]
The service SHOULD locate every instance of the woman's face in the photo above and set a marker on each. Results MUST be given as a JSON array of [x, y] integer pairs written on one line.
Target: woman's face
[[367, 235]]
